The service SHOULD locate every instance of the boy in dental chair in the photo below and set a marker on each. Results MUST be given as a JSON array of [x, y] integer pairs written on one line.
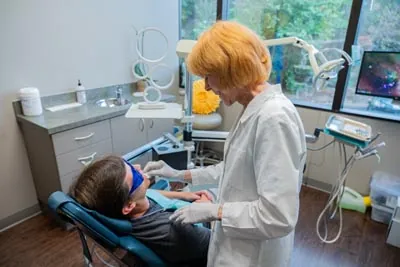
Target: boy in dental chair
[[119, 190]]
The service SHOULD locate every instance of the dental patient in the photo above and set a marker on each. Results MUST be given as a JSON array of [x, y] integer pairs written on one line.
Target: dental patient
[[117, 189]]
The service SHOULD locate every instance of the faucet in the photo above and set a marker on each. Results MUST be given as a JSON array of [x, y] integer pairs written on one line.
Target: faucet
[[119, 95]]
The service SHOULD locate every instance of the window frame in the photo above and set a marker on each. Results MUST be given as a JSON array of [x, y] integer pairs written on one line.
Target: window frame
[[343, 76]]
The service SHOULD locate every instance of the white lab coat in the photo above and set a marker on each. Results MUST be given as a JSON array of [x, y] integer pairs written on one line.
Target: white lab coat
[[259, 184]]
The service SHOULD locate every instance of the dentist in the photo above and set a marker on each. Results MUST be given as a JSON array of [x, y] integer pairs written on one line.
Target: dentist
[[264, 155]]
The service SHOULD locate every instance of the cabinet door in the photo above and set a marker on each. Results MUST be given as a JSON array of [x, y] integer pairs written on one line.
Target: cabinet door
[[127, 134], [143, 159], [156, 127]]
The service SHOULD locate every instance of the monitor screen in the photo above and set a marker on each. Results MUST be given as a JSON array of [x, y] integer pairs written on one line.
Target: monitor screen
[[380, 74]]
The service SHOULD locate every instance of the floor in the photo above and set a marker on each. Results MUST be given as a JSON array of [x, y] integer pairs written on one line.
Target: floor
[[40, 242]]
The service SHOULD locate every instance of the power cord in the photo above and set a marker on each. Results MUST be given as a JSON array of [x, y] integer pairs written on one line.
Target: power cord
[[321, 148]]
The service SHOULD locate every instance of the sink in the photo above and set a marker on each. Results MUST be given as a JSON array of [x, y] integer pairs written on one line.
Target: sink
[[111, 102]]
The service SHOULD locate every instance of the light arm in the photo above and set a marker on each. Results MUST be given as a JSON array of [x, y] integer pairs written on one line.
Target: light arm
[[311, 50], [324, 71]]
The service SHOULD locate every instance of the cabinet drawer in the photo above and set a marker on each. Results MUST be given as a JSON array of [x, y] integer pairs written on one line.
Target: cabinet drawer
[[80, 137], [76, 160], [67, 180]]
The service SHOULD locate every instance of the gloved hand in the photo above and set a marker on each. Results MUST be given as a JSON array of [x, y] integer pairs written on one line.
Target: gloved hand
[[196, 213], [160, 168]]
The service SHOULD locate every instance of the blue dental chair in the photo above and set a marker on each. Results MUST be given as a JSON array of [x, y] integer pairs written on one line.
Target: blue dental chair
[[111, 234]]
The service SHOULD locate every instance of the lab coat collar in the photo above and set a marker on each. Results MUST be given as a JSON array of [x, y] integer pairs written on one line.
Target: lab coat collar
[[257, 102]]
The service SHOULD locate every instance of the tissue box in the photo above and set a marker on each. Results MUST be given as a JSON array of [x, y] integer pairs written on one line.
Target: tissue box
[[393, 237]]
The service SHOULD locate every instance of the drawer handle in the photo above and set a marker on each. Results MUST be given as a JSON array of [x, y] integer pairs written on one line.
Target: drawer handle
[[151, 124], [141, 125], [87, 160], [84, 137]]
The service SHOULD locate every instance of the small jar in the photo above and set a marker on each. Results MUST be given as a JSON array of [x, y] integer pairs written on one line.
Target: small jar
[[30, 101]]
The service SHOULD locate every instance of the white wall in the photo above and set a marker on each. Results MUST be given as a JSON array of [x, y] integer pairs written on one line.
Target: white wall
[[50, 44], [323, 166]]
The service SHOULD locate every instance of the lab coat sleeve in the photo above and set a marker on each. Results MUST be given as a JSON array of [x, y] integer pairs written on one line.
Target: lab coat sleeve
[[209, 175], [277, 158]]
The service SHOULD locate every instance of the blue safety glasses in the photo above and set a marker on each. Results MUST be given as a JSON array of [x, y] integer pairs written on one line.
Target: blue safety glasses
[[137, 178]]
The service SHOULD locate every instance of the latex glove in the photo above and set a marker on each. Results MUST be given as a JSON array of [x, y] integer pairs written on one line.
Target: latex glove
[[160, 168], [196, 213]]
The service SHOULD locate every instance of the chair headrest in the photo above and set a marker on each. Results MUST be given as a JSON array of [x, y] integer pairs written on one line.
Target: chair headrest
[[119, 227]]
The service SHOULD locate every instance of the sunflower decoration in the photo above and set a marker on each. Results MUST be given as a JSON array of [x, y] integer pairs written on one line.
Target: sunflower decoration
[[204, 102]]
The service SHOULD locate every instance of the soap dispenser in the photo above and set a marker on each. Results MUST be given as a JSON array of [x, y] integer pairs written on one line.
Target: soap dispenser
[[80, 93]]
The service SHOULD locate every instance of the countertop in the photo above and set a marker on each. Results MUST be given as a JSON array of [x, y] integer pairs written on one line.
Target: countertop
[[67, 119]]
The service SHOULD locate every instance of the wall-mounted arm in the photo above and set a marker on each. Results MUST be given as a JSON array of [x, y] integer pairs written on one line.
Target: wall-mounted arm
[[323, 69], [311, 50], [322, 72]]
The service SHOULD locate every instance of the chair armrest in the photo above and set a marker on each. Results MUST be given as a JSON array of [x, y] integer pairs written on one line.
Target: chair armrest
[[133, 246]]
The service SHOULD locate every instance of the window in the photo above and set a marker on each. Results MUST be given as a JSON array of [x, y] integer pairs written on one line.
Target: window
[[370, 24], [196, 16], [378, 30], [319, 22]]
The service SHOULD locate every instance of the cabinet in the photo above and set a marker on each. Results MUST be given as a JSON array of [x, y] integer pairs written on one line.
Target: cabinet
[[56, 160], [129, 134]]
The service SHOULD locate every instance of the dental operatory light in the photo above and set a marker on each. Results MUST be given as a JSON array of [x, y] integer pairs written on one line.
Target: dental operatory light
[[324, 69]]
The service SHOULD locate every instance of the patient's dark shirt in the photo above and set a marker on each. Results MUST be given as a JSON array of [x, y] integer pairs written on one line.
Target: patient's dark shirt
[[173, 242]]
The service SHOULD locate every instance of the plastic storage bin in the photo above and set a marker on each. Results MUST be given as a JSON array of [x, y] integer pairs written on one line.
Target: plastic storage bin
[[381, 213], [385, 189], [393, 236]]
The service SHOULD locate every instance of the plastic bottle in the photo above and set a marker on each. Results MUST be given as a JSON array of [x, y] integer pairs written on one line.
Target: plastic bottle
[[352, 200], [80, 93]]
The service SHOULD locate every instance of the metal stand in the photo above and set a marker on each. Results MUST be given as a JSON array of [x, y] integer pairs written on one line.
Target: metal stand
[[332, 206], [188, 120]]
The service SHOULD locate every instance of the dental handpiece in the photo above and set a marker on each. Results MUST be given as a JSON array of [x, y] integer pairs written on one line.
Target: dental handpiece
[[369, 149]]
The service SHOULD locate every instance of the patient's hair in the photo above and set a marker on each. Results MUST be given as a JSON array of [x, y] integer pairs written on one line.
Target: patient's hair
[[233, 53], [101, 187]]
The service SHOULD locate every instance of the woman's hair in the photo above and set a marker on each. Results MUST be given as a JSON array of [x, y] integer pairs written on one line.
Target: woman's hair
[[101, 187], [233, 54]]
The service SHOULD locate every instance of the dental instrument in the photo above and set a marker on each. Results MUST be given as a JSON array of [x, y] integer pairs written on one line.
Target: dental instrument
[[354, 134]]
